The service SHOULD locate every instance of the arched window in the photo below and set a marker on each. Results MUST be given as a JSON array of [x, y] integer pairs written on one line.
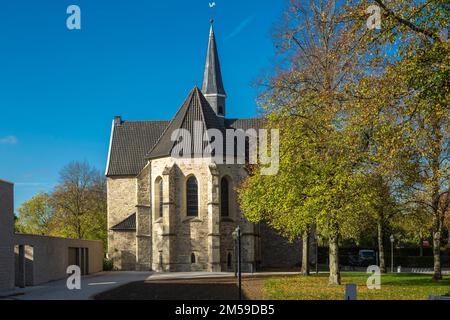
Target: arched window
[[159, 198], [193, 258], [224, 198], [192, 197]]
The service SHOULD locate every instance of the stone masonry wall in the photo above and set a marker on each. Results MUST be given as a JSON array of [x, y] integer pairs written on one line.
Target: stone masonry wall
[[144, 221], [235, 174], [122, 250], [122, 201], [175, 237], [190, 235]]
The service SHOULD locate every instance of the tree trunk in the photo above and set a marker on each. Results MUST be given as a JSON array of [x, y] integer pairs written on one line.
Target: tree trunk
[[335, 274], [381, 245], [305, 254], [437, 237], [421, 246]]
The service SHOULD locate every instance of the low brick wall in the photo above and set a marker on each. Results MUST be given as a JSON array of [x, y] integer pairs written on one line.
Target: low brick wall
[[50, 256]]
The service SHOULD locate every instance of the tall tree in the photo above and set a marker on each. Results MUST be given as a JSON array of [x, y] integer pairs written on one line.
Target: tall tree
[[308, 99], [374, 106], [80, 202], [35, 215], [279, 200], [421, 71]]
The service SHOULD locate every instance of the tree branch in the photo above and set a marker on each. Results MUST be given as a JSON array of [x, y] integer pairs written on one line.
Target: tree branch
[[407, 23]]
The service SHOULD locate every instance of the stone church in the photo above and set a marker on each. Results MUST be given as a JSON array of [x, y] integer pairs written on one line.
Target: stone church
[[167, 214]]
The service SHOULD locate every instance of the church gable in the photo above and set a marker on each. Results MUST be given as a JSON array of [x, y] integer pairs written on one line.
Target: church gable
[[194, 109]]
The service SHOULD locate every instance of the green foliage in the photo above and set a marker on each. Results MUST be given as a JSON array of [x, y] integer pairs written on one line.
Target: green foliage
[[35, 215], [80, 202], [108, 265], [320, 180], [364, 121], [75, 209]]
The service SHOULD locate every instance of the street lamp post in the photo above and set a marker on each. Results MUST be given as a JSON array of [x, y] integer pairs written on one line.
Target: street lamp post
[[235, 254], [237, 238], [392, 252]]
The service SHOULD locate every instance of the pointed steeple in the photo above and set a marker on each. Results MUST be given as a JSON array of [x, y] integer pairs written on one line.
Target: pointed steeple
[[213, 88]]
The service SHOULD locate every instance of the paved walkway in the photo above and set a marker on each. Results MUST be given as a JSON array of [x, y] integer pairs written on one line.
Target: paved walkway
[[105, 281], [90, 285]]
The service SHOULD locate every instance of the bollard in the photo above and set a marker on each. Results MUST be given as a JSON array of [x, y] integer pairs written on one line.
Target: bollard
[[350, 292]]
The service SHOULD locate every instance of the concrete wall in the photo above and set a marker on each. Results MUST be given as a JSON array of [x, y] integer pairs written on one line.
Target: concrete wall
[[38, 259], [50, 256], [6, 236]]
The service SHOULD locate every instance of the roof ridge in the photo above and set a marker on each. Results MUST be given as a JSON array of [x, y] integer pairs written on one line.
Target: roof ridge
[[195, 95], [249, 118], [187, 100], [134, 121], [201, 106]]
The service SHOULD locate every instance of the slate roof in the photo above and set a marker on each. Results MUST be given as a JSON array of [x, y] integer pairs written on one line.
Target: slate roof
[[133, 143], [194, 109], [130, 142], [129, 224], [245, 124]]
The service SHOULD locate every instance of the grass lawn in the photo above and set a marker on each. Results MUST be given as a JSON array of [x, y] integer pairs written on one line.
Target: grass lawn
[[393, 287]]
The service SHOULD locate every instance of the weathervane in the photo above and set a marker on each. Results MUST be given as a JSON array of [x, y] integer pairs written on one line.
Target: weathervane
[[212, 5]]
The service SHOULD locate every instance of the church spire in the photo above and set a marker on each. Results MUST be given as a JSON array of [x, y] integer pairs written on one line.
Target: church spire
[[213, 89]]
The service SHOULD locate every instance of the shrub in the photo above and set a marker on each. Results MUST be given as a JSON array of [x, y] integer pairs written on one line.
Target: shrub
[[108, 265]]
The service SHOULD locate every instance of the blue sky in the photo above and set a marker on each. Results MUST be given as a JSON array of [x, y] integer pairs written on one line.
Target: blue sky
[[60, 89]]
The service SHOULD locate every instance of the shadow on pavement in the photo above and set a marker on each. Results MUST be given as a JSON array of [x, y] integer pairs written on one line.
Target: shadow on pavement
[[189, 289]]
